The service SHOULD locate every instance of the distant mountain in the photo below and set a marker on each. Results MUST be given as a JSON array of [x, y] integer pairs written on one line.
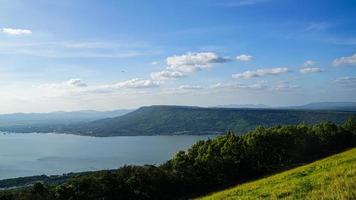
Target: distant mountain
[[169, 120], [60, 117], [243, 106], [341, 106]]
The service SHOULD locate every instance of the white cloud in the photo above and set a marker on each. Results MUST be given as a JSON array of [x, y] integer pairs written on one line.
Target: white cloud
[[260, 73], [67, 87], [135, 83], [309, 67], [244, 57], [76, 86], [76, 83], [348, 60], [257, 86], [70, 84], [347, 82], [191, 87], [306, 70], [309, 63], [12, 31], [181, 66], [166, 75], [154, 63], [192, 62], [317, 26]]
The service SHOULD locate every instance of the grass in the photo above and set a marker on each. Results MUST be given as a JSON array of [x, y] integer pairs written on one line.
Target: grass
[[331, 178]]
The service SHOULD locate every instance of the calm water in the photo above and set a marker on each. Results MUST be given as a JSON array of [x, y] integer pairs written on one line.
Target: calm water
[[36, 154]]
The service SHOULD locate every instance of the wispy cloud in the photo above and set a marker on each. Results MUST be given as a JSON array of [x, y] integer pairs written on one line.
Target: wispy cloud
[[306, 70], [239, 3], [309, 63], [244, 57], [166, 75], [347, 60], [133, 84], [285, 86], [261, 73], [346, 82], [13, 31], [257, 86], [191, 87], [317, 26], [74, 85], [65, 49], [77, 86], [155, 63]]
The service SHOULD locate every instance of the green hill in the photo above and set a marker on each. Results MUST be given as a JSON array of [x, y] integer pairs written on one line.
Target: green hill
[[330, 178], [173, 120], [166, 120]]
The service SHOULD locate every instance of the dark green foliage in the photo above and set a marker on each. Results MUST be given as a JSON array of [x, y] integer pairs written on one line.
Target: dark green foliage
[[206, 165]]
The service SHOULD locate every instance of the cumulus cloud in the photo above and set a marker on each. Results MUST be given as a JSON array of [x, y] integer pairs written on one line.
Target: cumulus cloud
[[244, 57], [347, 82], [13, 31], [348, 60], [181, 66], [261, 73], [166, 75], [191, 62]]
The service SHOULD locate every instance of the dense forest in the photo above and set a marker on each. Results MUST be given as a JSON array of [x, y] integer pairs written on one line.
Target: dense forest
[[207, 165]]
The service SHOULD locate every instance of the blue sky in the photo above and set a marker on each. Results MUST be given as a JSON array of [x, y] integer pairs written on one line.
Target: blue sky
[[103, 55]]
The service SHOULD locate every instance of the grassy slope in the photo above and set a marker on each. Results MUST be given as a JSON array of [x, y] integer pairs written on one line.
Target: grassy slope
[[331, 178]]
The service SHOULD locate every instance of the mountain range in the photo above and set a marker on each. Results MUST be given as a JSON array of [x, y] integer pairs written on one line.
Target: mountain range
[[59, 117]]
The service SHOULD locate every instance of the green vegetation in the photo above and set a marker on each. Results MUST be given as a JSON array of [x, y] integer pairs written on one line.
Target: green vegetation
[[330, 178], [206, 166], [167, 120]]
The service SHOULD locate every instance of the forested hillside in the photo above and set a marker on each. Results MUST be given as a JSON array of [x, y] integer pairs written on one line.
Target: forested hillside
[[206, 166], [158, 120]]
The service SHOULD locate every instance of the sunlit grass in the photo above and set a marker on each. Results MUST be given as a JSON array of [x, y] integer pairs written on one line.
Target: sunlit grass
[[331, 178]]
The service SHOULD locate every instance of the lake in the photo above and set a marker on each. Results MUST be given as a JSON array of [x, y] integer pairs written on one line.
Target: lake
[[52, 154]]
